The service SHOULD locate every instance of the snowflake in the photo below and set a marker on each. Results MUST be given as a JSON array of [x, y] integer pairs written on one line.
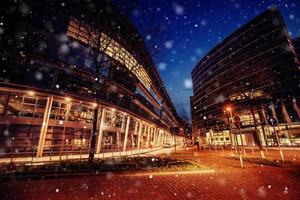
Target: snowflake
[[38, 76], [204, 22], [286, 190], [262, 191], [64, 49], [291, 16], [188, 84], [178, 9], [162, 66], [148, 37], [193, 59], [169, 44], [24, 9]]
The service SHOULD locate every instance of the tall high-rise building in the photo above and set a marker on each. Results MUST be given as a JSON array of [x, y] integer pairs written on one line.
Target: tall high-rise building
[[250, 76]]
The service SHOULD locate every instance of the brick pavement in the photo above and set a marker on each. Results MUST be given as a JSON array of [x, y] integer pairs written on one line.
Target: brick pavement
[[229, 182]]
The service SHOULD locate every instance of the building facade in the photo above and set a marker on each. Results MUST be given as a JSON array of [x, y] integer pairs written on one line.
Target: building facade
[[61, 63], [250, 76], [296, 43]]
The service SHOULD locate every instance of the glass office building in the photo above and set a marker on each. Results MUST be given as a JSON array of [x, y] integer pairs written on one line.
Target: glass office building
[[254, 74], [60, 61]]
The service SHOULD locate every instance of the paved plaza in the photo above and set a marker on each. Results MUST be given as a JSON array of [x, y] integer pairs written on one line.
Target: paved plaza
[[228, 182]]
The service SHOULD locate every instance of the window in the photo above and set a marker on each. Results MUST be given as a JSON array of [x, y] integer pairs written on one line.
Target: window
[[92, 37], [119, 120]]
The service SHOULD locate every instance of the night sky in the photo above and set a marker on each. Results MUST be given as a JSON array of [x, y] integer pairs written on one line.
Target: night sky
[[179, 33]]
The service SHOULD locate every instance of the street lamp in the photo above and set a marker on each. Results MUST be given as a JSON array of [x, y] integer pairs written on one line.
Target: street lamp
[[206, 128], [230, 112], [230, 121], [31, 93], [229, 109]]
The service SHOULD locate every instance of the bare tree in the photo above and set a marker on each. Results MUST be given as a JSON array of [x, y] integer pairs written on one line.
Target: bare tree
[[251, 88]]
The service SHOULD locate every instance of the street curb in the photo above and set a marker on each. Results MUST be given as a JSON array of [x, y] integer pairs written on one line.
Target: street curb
[[204, 171]]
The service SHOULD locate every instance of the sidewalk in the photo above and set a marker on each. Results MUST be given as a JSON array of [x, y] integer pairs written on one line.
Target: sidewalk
[[228, 182], [270, 153]]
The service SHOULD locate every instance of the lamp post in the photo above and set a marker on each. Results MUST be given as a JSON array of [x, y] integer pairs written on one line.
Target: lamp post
[[231, 123], [273, 123], [228, 109], [206, 127]]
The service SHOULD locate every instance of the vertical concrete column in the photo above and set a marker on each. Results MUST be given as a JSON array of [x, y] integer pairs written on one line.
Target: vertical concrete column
[[148, 137], [135, 133], [154, 136], [44, 127], [159, 138], [132, 140], [164, 138], [145, 134], [118, 140], [123, 124], [139, 136], [126, 133], [100, 130]]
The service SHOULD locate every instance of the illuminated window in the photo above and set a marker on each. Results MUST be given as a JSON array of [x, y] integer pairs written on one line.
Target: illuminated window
[[119, 120], [104, 43]]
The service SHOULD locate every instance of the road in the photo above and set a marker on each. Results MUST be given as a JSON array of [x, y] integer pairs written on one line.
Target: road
[[228, 182]]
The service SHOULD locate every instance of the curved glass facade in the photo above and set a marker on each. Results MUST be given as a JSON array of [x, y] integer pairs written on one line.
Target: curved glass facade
[[59, 65], [251, 70]]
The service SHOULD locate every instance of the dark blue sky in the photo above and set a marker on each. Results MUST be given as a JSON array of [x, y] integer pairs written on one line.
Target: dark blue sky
[[184, 31]]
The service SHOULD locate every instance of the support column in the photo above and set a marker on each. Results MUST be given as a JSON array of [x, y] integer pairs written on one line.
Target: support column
[[132, 141], [100, 130], [139, 136], [123, 124], [126, 133], [44, 127], [154, 136], [118, 140], [159, 138], [135, 133], [164, 138], [148, 137], [145, 134]]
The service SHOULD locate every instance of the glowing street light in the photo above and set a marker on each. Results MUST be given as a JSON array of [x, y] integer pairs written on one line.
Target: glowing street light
[[229, 109], [68, 99], [31, 93], [94, 105]]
